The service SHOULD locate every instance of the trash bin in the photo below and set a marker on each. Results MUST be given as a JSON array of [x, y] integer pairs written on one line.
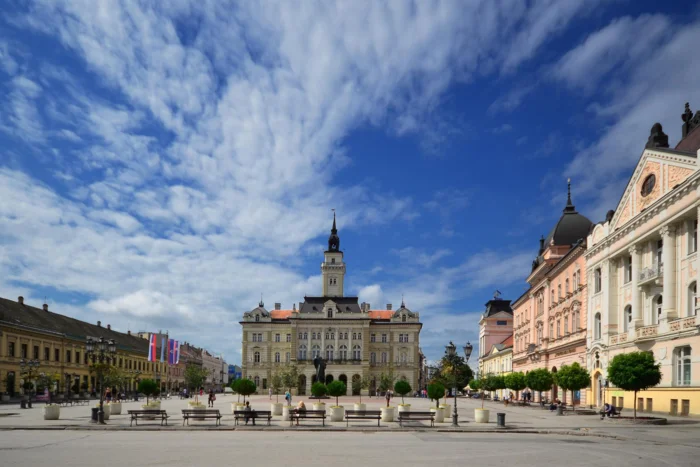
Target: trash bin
[[501, 419], [95, 412], [560, 409]]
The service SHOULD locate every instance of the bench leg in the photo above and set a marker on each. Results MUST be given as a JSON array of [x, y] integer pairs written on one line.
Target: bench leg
[[378, 421]]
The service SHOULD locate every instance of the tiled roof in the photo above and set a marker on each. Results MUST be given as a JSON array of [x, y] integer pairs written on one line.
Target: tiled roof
[[508, 341], [381, 314], [690, 143], [280, 314]]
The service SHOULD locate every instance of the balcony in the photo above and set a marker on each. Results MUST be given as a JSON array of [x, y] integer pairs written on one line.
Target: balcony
[[647, 332], [654, 273]]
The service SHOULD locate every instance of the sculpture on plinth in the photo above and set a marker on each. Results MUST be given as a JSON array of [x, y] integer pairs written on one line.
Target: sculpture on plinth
[[320, 366]]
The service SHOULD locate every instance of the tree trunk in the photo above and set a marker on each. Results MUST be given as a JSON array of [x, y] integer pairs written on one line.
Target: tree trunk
[[573, 402], [634, 402]]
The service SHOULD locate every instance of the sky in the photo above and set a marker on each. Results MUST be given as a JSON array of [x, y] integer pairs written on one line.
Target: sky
[[163, 164]]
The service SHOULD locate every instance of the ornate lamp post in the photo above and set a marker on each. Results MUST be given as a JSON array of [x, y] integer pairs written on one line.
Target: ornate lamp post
[[451, 351], [103, 351], [27, 369]]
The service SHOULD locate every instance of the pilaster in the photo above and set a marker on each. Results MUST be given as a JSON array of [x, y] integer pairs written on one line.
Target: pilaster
[[670, 309]]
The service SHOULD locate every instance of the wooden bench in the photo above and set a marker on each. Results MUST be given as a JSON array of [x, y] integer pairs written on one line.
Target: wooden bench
[[617, 411], [242, 414], [200, 415], [411, 416], [362, 415], [82, 401], [148, 415], [306, 414]]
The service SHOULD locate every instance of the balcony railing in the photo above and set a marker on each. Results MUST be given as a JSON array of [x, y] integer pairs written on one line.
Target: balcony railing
[[647, 331], [649, 274]]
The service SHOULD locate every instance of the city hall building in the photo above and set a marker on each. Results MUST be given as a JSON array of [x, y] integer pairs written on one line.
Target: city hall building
[[354, 340]]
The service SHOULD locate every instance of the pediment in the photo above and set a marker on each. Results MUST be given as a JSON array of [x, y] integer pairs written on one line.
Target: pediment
[[667, 169], [501, 315]]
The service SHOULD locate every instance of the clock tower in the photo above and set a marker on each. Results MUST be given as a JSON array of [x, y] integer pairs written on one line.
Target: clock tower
[[333, 267]]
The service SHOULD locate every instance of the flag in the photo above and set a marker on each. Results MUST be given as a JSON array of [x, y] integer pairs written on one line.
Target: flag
[[162, 349], [152, 352], [173, 352]]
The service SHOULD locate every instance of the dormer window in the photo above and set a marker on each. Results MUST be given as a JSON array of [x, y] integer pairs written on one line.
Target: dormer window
[[403, 318], [330, 312], [332, 260], [257, 317]]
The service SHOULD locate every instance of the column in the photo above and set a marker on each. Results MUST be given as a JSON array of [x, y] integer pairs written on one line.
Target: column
[[668, 255], [637, 321]]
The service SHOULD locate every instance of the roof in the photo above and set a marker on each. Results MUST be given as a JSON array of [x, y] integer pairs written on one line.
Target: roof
[[280, 314], [381, 314], [508, 341], [690, 143], [496, 306], [344, 304], [571, 227], [14, 313]]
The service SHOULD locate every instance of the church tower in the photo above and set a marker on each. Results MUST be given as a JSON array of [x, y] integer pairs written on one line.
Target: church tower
[[333, 267]]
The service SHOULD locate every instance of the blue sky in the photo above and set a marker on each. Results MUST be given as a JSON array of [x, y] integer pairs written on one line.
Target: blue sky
[[162, 164]]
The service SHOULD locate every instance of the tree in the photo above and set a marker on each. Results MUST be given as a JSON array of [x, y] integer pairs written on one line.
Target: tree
[[194, 378], [634, 371], [386, 380], [573, 378], [276, 384], [435, 392], [454, 372], [540, 380], [318, 389], [402, 388], [359, 384], [515, 381], [246, 387], [490, 383], [148, 387], [290, 377], [336, 389], [234, 387]]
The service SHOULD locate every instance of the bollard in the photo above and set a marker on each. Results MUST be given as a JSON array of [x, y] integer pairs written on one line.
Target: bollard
[[501, 419], [560, 409], [95, 411]]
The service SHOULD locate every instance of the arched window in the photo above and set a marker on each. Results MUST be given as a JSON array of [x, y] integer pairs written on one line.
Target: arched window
[[343, 352], [373, 358], [329, 352], [658, 306], [597, 326], [559, 291], [306, 335], [256, 357], [277, 357], [356, 353], [551, 301], [567, 286], [692, 294], [598, 278], [566, 324], [256, 380], [627, 319], [315, 351]]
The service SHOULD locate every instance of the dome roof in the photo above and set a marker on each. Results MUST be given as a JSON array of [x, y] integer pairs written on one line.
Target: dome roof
[[571, 227]]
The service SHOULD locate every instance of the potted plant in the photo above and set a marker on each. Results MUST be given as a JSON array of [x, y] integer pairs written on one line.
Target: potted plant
[[52, 412], [358, 385], [236, 405], [246, 387], [487, 383], [195, 376], [515, 381], [435, 392], [402, 388], [318, 390], [148, 388], [336, 389], [290, 380], [276, 384]]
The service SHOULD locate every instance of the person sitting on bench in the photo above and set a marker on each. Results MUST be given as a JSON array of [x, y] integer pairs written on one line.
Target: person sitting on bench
[[553, 406], [249, 413], [301, 407], [608, 410]]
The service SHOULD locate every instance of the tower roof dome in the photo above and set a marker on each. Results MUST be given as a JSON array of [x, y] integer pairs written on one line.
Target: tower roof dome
[[571, 226]]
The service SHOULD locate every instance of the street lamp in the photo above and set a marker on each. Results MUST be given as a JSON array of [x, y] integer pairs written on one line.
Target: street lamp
[[451, 351], [103, 351]]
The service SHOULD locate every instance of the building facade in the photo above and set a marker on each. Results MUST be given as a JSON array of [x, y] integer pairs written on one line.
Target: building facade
[[355, 341], [499, 361], [642, 265], [217, 371], [550, 317], [495, 327]]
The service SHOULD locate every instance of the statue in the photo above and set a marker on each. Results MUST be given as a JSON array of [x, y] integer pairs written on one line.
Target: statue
[[320, 366]]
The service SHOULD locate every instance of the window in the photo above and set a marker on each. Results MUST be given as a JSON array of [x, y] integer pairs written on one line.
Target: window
[[356, 353], [628, 269], [597, 326], [373, 337], [343, 352], [257, 317], [692, 298], [257, 381], [627, 318], [68, 356], [47, 354], [501, 323], [306, 336], [567, 286], [287, 357], [373, 358], [551, 330], [559, 291], [330, 312], [354, 335], [11, 349], [659, 252], [256, 357], [24, 351], [260, 337], [693, 237], [385, 357], [566, 324], [313, 335], [277, 357], [315, 351], [598, 280], [345, 336], [302, 352], [551, 301], [682, 356], [77, 357], [329, 352], [648, 185], [277, 337], [332, 260], [403, 318], [301, 336], [289, 338], [658, 305], [558, 328], [255, 337], [403, 358], [36, 352], [384, 338], [359, 336]]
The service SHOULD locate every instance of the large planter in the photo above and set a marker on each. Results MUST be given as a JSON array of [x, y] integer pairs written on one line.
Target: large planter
[[106, 409], [337, 413], [387, 414], [447, 408], [52, 412], [236, 406], [276, 408], [115, 408], [404, 408], [481, 415], [197, 407], [359, 406], [285, 412], [154, 405], [439, 414], [319, 406]]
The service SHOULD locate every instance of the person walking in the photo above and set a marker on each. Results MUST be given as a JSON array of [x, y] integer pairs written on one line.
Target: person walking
[[212, 398], [269, 391], [388, 397]]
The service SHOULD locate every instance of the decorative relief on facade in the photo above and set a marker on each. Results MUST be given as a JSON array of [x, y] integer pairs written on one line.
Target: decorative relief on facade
[[675, 325], [647, 331], [689, 322], [622, 337], [676, 175], [626, 214], [651, 168]]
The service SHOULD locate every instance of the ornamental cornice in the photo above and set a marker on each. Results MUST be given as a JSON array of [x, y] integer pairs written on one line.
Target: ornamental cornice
[[690, 184]]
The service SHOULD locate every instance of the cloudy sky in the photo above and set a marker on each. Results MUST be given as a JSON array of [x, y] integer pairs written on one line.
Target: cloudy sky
[[162, 164]]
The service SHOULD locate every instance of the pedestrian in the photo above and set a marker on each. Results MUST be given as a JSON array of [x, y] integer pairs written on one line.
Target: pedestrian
[[212, 398], [249, 413], [269, 391], [388, 397]]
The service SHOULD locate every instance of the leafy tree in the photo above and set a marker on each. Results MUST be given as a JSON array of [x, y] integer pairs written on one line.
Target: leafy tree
[[634, 371], [572, 378], [490, 383], [276, 384], [234, 387], [318, 389], [515, 381], [336, 389], [148, 387], [454, 372], [245, 387], [540, 380], [359, 384], [386, 380], [402, 388], [290, 377], [435, 392], [195, 376]]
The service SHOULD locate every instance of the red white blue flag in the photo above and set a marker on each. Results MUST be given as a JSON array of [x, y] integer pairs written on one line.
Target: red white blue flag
[[162, 349], [152, 352], [173, 352]]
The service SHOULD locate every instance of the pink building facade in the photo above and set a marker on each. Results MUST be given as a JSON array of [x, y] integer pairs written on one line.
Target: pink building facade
[[495, 326], [550, 319]]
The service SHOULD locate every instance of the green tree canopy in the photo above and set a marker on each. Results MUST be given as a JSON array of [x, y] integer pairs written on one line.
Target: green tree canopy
[[386, 380], [359, 384], [148, 387], [318, 389], [453, 372], [515, 381], [245, 387], [336, 389], [634, 371], [276, 383], [490, 383], [402, 388], [540, 380], [572, 378], [435, 392], [290, 377]]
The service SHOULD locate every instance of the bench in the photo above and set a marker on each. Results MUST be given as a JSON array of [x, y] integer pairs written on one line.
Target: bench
[[411, 416], [200, 415], [362, 415], [306, 414], [241, 415], [617, 411], [148, 415]]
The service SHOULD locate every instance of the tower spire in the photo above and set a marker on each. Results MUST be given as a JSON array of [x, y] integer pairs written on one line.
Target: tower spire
[[333, 239], [569, 204], [261, 304]]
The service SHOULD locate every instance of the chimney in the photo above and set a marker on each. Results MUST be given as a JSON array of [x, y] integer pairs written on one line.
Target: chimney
[[109, 326], [541, 244], [20, 299], [278, 306], [46, 307], [128, 332], [369, 307], [388, 306], [99, 324]]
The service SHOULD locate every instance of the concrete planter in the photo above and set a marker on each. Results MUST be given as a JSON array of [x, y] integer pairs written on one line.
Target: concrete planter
[[481, 415], [439, 414], [319, 406], [154, 405], [285, 412], [236, 406], [106, 409], [198, 407], [404, 408], [387, 414], [447, 408], [115, 408], [358, 406], [52, 412], [276, 408], [337, 413]]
